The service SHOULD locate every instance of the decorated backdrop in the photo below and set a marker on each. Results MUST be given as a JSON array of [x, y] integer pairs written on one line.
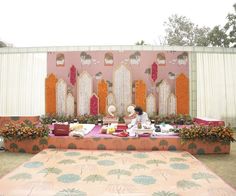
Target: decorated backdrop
[[87, 82]]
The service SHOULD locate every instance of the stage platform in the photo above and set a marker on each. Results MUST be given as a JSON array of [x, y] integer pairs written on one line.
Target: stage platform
[[97, 141]]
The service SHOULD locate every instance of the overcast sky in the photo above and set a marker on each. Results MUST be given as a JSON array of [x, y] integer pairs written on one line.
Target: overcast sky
[[100, 22]]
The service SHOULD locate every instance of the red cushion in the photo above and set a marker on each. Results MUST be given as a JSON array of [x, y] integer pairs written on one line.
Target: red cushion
[[61, 130]]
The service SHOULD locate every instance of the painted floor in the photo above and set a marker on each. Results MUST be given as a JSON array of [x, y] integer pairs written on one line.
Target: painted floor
[[78, 172]]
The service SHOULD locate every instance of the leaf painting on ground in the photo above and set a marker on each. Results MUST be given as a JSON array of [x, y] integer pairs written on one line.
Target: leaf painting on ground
[[105, 154], [72, 153], [165, 193], [67, 161], [180, 166], [106, 162], [68, 178], [141, 155], [21, 176], [155, 161], [138, 166], [144, 180], [95, 178], [50, 170], [35, 164], [71, 192], [177, 159], [43, 142], [89, 157], [187, 184], [203, 175], [119, 172]]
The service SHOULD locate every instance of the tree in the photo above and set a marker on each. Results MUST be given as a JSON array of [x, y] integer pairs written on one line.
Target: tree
[[2, 44], [140, 43], [218, 37], [230, 27], [182, 32]]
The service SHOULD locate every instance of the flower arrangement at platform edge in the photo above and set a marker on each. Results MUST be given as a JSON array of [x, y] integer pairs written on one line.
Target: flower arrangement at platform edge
[[177, 119], [207, 133], [85, 119], [23, 131]]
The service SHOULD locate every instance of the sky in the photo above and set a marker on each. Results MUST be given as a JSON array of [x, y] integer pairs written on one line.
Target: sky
[[31, 23]]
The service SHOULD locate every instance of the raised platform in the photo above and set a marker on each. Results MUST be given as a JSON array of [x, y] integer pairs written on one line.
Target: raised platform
[[97, 141]]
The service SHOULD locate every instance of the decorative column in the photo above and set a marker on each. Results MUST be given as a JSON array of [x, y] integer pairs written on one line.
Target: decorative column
[[172, 104], [61, 94], [182, 94], [50, 94], [102, 94], [164, 92], [122, 88], [94, 105], [70, 105], [84, 93], [140, 94], [151, 105]]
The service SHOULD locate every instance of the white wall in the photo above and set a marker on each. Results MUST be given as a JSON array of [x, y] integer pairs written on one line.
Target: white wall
[[22, 81], [216, 86]]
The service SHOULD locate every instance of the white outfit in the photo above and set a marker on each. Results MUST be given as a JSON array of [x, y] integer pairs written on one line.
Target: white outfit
[[140, 118]]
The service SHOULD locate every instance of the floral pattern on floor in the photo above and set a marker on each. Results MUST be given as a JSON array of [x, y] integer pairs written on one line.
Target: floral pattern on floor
[[81, 172]]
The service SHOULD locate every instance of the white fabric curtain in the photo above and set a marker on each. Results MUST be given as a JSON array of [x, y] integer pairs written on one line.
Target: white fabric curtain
[[216, 86], [22, 79]]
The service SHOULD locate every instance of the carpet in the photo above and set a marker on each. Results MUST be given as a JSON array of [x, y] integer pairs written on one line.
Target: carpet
[[78, 172]]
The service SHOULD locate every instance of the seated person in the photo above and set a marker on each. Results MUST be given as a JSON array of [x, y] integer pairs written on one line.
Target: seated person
[[141, 117]]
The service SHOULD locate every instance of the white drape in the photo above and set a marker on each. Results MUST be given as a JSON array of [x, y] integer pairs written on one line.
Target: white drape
[[22, 80], [216, 86]]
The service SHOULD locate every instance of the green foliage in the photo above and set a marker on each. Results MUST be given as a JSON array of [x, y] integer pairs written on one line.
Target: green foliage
[[21, 176], [177, 159], [155, 161], [86, 158], [66, 161], [180, 31], [23, 131], [95, 178], [177, 119], [72, 153], [207, 133], [50, 170], [101, 147], [72, 146], [187, 184], [138, 166], [179, 166], [35, 148], [119, 172], [43, 142], [144, 180], [141, 155], [164, 193], [71, 192], [203, 175], [106, 162], [68, 178]]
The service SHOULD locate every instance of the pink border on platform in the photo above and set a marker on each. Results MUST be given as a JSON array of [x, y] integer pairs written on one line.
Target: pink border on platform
[[96, 141]]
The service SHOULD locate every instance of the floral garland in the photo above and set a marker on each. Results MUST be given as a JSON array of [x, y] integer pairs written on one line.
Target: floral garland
[[24, 131], [208, 133]]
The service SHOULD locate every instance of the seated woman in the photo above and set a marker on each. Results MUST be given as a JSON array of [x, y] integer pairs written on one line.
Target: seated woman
[[141, 117]]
